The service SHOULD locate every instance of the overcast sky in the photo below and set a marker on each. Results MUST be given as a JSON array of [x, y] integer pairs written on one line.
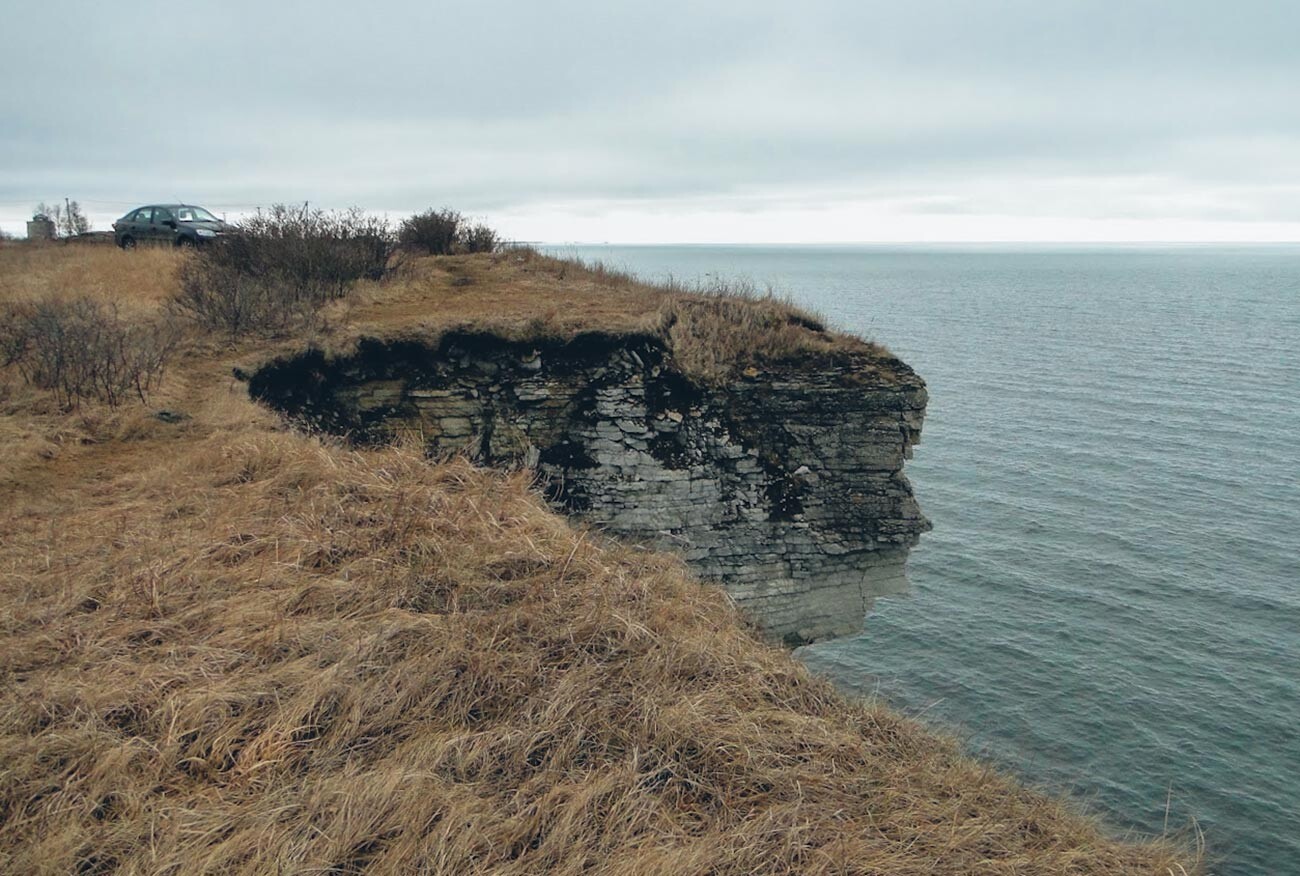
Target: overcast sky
[[804, 121]]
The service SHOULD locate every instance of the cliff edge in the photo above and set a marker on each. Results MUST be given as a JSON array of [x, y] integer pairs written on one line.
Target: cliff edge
[[781, 477]]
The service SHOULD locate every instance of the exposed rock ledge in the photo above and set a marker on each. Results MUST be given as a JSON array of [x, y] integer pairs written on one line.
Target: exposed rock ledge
[[784, 484]]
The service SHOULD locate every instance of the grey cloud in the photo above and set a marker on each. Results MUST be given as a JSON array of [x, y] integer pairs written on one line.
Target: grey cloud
[[500, 106]]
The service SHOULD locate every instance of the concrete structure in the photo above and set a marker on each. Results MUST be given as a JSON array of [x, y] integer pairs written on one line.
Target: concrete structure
[[41, 228]]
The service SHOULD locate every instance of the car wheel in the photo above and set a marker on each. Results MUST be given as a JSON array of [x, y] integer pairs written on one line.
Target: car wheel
[[185, 243], [128, 242]]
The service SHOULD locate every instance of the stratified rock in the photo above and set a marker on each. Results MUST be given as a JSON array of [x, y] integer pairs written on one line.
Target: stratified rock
[[785, 485]]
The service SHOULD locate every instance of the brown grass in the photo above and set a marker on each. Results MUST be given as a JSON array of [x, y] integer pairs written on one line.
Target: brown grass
[[231, 648], [143, 277], [714, 329]]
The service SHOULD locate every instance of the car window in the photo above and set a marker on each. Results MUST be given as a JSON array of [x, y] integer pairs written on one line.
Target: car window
[[194, 214], [141, 215], [161, 215]]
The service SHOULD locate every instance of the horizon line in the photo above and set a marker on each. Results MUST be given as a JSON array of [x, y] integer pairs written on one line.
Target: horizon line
[[914, 243]]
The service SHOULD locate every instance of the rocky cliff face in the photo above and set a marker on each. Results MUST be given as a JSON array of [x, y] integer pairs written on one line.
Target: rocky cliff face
[[784, 484]]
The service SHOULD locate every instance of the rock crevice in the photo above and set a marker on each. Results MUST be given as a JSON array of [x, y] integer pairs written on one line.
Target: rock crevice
[[785, 485]]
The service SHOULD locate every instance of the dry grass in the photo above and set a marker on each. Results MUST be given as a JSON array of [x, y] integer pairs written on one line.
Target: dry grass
[[145, 277], [33, 430], [714, 330], [232, 648], [81, 348], [713, 335]]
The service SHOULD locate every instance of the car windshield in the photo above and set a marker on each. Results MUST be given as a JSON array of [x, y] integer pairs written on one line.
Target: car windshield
[[194, 214]]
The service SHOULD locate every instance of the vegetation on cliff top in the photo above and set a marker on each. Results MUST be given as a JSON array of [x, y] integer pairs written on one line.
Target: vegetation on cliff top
[[714, 330], [229, 647], [278, 276]]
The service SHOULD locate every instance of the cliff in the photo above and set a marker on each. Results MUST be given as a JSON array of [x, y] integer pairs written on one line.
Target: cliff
[[234, 647], [783, 482]]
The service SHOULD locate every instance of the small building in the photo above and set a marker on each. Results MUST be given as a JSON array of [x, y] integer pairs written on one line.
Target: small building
[[40, 228]]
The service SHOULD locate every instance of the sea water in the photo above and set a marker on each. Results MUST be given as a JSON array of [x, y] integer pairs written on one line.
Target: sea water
[[1109, 603]]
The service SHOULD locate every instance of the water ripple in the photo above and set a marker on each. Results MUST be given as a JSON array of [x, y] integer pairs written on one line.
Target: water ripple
[[1108, 601]]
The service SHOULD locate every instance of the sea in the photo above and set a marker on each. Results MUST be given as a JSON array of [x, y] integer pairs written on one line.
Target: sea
[[1109, 603]]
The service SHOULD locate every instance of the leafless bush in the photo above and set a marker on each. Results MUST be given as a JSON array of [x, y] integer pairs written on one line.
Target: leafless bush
[[443, 232], [219, 296], [321, 252], [13, 335], [477, 238], [80, 349], [434, 231], [281, 267]]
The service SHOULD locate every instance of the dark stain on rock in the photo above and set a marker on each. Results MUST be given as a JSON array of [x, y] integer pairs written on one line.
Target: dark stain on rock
[[785, 485]]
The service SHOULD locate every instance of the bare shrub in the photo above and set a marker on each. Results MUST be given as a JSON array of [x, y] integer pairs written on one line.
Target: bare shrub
[[444, 232], [282, 265], [434, 231], [217, 295], [13, 334], [477, 238], [321, 252], [80, 349]]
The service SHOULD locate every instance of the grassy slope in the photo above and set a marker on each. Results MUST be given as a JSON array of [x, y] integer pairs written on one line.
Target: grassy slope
[[228, 647]]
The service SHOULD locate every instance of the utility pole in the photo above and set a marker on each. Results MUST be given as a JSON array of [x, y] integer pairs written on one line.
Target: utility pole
[[67, 215]]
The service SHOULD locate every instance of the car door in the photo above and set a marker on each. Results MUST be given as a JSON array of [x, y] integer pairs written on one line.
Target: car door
[[139, 224], [164, 226]]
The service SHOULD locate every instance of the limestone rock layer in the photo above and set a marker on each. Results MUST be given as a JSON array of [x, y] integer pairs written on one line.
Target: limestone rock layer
[[785, 484]]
